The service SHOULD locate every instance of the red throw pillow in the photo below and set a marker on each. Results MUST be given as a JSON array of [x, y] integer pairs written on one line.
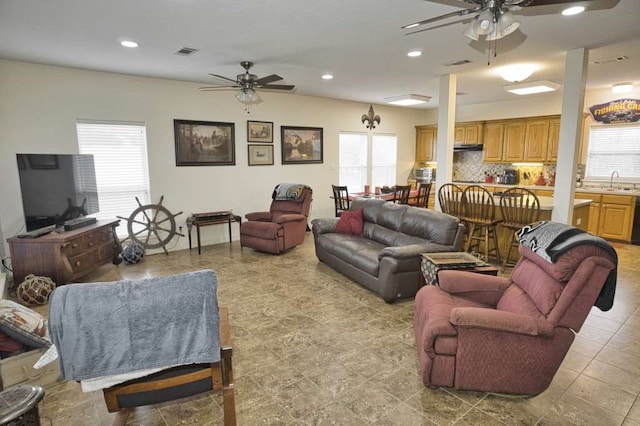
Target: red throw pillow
[[350, 222]]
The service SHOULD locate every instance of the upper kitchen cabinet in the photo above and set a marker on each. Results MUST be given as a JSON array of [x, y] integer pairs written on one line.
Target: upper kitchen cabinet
[[493, 141], [468, 133], [554, 139], [514, 133], [536, 140], [426, 143]]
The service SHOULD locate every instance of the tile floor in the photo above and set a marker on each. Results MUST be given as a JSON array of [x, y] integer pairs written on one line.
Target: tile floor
[[311, 347]]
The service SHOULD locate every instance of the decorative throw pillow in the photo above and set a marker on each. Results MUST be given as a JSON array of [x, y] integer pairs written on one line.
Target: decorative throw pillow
[[23, 324], [350, 222]]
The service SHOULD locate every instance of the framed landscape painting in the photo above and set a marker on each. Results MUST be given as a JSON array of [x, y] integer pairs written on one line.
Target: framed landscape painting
[[204, 143], [260, 155], [301, 145], [260, 131]]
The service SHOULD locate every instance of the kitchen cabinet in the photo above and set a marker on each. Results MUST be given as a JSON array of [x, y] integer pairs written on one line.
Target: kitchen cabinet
[[594, 209], [493, 142], [513, 148], [468, 133], [553, 140], [536, 140], [426, 143], [616, 214]]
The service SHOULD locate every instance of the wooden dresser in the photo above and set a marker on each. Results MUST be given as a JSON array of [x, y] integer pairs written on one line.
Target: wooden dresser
[[66, 256]]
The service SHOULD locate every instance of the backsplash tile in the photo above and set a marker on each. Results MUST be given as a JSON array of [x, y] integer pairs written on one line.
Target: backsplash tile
[[468, 166]]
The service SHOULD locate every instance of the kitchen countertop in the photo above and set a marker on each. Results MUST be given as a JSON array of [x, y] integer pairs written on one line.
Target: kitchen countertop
[[614, 191]]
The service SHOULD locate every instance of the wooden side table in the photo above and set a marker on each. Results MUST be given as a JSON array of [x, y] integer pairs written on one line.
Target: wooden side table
[[432, 263], [210, 218]]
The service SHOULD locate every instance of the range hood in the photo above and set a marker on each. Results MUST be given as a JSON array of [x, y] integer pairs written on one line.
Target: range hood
[[467, 147]]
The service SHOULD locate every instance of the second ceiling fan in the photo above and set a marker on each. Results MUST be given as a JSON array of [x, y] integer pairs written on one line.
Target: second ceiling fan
[[494, 18]]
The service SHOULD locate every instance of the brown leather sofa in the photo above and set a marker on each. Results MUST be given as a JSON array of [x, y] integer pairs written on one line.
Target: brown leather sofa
[[508, 334], [280, 229], [386, 258]]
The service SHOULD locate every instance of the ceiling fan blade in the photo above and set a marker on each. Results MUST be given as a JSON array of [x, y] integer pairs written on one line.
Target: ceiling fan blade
[[268, 79], [209, 88], [549, 2], [222, 77], [278, 86], [445, 16]]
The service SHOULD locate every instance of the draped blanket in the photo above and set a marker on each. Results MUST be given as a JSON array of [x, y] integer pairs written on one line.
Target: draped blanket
[[288, 191], [103, 329], [550, 240]]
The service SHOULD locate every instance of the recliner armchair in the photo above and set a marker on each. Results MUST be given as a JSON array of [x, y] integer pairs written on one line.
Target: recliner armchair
[[508, 335], [280, 229]]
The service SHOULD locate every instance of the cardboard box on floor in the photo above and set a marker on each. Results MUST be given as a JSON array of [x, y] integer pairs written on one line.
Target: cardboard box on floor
[[18, 369]]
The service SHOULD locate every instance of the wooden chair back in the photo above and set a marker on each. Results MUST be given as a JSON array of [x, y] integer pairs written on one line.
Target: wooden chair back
[[519, 207], [478, 204], [401, 194], [451, 198], [422, 199], [340, 198]]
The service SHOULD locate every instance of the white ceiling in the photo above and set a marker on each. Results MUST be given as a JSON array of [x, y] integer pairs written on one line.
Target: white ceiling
[[359, 41]]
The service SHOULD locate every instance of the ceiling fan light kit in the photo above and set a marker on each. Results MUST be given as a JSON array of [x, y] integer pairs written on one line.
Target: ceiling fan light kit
[[532, 87], [622, 88], [407, 100]]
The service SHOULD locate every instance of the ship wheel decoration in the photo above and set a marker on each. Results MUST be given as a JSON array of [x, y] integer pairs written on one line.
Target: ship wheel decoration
[[152, 225]]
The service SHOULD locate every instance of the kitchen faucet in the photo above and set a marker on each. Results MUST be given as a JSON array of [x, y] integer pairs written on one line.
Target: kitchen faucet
[[615, 172]]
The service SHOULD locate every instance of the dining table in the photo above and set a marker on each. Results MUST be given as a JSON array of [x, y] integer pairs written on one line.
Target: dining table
[[384, 196]]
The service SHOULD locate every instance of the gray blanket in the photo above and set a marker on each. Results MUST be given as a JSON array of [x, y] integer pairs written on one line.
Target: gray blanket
[[102, 329]]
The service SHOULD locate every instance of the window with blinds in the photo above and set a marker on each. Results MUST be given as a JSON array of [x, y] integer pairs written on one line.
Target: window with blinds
[[357, 167], [122, 173], [614, 148]]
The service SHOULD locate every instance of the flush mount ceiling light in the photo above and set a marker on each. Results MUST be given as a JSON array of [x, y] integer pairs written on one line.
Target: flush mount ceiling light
[[573, 10], [516, 72], [129, 43], [622, 88], [414, 54], [407, 100], [327, 76], [532, 87]]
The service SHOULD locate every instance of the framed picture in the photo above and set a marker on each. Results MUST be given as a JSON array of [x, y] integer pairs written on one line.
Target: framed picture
[[260, 131], [22, 163], [43, 161], [204, 143], [260, 155], [301, 144]]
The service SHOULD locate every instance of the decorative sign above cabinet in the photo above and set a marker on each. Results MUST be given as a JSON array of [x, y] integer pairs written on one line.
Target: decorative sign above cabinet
[[618, 111]]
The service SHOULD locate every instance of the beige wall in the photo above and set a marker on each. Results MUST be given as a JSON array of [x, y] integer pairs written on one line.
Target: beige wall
[[39, 106]]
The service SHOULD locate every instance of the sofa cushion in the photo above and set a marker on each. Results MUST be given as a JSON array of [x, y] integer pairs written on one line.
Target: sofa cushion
[[430, 225], [350, 222], [357, 251]]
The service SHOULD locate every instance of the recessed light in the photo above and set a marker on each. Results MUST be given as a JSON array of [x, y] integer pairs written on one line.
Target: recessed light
[[327, 76], [622, 88], [406, 100], [129, 43], [414, 54], [532, 87], [573, 10]]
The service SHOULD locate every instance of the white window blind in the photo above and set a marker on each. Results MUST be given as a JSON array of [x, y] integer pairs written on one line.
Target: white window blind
[[614, 147], [122, 173], [383, 159], [352, 160]]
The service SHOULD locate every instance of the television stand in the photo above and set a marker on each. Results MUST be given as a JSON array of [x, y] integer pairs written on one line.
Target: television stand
[[79, 222], [66, 256]]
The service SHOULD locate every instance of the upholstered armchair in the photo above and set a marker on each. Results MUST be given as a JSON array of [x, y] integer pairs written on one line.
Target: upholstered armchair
[[283, 226], [509, 334]]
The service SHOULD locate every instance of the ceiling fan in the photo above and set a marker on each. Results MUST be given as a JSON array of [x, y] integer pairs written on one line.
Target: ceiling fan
[[247, 84], [494, 18]]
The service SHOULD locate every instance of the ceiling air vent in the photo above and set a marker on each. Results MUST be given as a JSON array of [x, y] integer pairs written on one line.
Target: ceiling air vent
[[461, 62], [609, 60], [186, 51]]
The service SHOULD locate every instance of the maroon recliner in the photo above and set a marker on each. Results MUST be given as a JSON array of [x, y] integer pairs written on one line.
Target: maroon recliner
[[281, 228], [507, 335]]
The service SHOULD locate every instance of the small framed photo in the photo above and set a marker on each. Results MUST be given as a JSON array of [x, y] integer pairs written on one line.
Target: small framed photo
[[43, 161], [260, 131], [301, 145], [260, 155], [204, 143]]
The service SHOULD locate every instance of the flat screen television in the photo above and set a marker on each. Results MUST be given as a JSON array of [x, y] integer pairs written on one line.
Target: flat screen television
[[56, 188]]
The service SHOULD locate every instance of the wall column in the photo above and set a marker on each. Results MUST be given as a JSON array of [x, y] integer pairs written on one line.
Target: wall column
[[575, 78], [446, 124]]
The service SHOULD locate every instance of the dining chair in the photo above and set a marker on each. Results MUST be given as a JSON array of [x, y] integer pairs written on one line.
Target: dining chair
[[401, 194], [422, 199], [480, 216], [450, 197], [340, 199], [519, 207]]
